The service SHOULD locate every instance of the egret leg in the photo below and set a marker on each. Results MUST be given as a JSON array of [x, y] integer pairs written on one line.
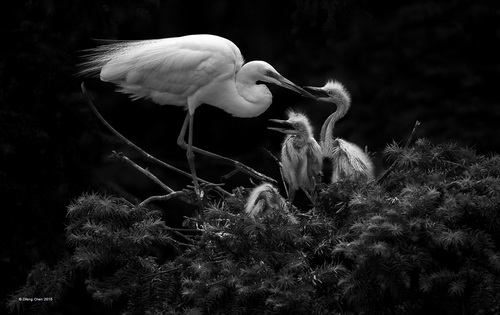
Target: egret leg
[[189, 151], [291, 195], [144, 153], [189, 147]]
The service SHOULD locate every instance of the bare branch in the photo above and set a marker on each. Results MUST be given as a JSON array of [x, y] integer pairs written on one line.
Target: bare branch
[[171, 195], [144, 153], [410, 138], [280, 166], [123, 158]]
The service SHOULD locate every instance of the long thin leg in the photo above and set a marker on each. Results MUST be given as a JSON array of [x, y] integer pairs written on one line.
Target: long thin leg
[[141, 151], [291, 195], [190, 148]]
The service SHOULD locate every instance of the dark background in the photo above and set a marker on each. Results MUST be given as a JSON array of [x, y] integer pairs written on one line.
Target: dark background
[[436, 62]]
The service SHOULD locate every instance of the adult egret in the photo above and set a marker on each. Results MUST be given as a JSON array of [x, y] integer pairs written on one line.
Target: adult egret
[[348, 160], [301, 155], [265, 199], [189, 71]]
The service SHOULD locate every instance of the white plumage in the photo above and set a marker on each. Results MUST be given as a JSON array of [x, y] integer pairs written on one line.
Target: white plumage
[[348, 159], [188, 71], [264, 200], [301, 155]]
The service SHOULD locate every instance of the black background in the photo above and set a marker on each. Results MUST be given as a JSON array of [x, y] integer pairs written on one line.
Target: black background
[[436, 62]]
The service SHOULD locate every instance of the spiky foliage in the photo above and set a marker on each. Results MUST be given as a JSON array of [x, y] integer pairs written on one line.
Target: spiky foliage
[[428, 239], [113, 243], [425, 240], [267, 265]]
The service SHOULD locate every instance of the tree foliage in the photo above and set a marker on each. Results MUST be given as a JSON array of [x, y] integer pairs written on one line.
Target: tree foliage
[[425, 239]]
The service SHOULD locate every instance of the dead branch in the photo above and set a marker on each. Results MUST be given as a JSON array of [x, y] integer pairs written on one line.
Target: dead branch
[[141, 151]]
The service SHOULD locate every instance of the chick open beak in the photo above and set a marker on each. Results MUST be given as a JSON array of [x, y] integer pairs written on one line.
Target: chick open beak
[[286, 129], [316, 92]]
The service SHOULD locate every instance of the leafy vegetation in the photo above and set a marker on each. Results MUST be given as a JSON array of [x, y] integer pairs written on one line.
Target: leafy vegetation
[[424, 240]]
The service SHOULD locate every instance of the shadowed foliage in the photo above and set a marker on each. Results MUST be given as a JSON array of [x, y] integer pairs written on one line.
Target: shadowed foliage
[[426, 240]]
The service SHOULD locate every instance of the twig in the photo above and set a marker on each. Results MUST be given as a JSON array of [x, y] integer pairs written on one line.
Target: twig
[[183, 230], [237, 165], [410, 138], [183, 236], [144, 153], [407, 144], [230, 174], [152, 275], [181, 243], [280, 166], [250, 171], [123, 158], [163, 197]]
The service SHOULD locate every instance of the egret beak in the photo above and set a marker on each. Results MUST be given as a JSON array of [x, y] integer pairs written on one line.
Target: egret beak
[[284, 82], [316, 92], [288, 129]]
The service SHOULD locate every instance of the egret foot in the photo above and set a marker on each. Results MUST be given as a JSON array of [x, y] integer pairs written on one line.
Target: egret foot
[[199, 193]]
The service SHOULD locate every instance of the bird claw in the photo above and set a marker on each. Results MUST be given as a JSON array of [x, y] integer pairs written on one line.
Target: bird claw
[[200, 193], [202, 190]]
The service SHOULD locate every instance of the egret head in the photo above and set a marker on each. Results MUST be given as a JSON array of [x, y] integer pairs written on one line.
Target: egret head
[[332, 92], [264, 198], [297, 124], [264, 72]]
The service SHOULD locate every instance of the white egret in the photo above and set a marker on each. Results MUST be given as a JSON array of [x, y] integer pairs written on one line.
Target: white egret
[[189, 71], [301, 155], [348, 160], [265, 199], [262, 199]]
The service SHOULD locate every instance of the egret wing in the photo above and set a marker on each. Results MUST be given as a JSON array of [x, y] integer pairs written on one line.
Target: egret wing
[[166, 70]]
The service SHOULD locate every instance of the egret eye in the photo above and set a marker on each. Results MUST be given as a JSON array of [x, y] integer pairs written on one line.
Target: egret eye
[[270, 73]]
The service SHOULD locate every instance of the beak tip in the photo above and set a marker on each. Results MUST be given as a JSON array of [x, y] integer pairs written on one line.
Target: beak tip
[[318, 92]]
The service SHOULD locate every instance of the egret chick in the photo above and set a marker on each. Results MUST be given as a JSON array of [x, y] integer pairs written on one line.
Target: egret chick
[[301, 155], [348, 160], [265, 199], [189, 71], [262, 199]]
